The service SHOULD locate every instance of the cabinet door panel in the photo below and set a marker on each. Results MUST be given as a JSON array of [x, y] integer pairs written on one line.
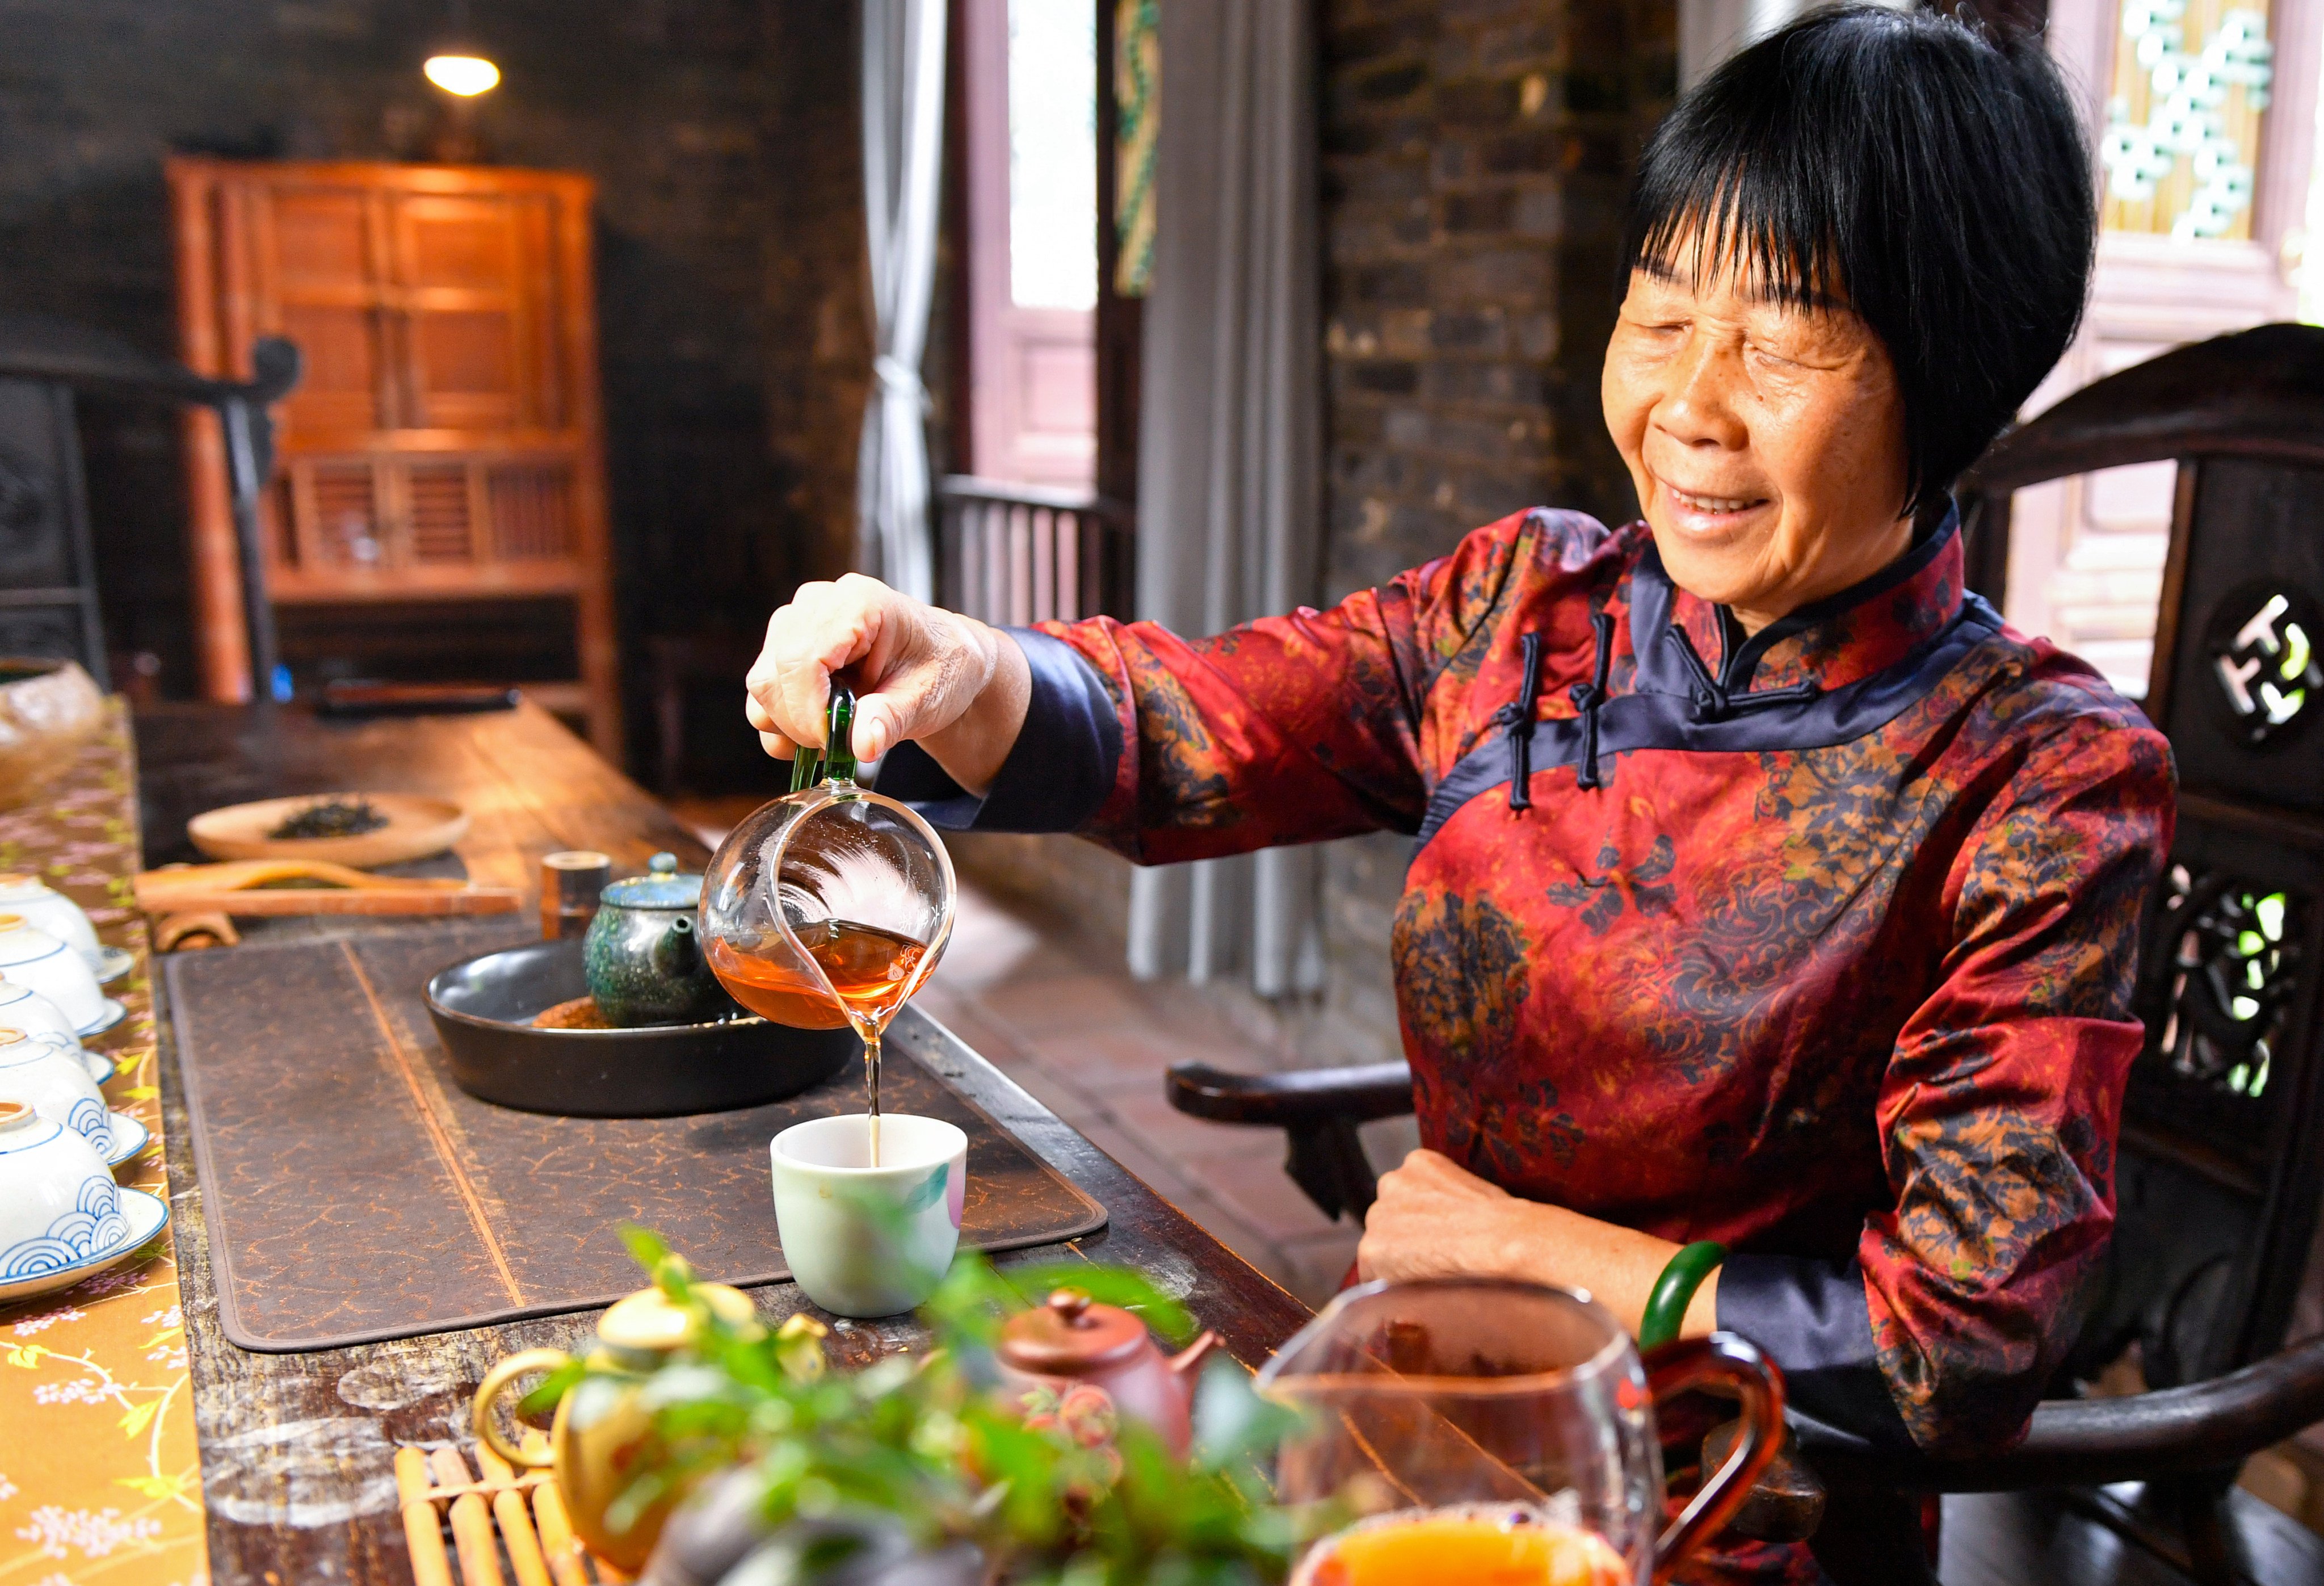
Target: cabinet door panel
[[460, 242], [344, 515], [531, 508], [440, 524], [341, 391], [320, 237], [463, 274], [465, 370]]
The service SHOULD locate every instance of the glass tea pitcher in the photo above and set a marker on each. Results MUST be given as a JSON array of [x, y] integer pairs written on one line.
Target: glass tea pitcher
[[831, 905], [1480, 1430]]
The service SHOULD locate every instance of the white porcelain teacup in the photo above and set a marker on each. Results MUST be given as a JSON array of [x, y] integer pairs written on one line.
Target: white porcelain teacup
[[44, 908], [24, 1009], [53, 1079], [864, 1240], [59, 1205], [30, 956]]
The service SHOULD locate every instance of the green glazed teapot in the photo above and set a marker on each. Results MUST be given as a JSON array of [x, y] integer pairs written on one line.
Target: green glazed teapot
[[643, 953]]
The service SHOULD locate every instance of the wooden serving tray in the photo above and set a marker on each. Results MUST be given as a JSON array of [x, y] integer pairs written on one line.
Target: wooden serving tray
[[416, 828], [352, 1192]]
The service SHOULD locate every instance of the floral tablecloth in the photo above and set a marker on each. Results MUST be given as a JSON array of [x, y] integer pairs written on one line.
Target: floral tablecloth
[[98, 1478]]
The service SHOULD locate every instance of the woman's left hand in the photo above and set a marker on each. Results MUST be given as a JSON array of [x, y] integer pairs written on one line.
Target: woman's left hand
[[1436, 1219]]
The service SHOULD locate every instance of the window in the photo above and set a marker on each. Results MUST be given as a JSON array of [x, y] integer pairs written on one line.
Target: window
[[1031, 115], [2205, 116]]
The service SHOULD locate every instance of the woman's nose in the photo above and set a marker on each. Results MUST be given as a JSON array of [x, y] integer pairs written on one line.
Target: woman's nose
[[1698, 408]]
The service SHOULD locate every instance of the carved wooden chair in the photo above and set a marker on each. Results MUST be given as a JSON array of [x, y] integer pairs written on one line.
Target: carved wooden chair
[[2222, 1157], [48, 570]]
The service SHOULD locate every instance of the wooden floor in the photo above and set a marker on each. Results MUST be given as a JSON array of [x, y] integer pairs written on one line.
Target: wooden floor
[[2047, 1539]]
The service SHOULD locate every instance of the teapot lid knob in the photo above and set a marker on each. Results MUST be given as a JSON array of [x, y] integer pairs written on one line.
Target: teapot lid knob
[[1069, 1334], [663, 864]]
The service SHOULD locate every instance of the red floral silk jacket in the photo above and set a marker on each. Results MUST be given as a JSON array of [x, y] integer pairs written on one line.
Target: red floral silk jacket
[[1818, 943]]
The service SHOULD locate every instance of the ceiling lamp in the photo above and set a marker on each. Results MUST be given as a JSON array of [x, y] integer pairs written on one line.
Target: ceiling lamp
[[465, 75], [456, 66]]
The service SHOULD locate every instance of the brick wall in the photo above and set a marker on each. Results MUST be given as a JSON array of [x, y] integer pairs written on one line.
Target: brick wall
[[723, 135], [1476, 159]]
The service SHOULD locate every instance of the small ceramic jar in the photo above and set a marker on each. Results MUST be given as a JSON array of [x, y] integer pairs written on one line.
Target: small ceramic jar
[[643, 953], [52, 1080], [59, 1205], [41, 906], [30, 956]]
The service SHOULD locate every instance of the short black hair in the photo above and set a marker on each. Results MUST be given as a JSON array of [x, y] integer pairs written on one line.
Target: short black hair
[[1931, 173]]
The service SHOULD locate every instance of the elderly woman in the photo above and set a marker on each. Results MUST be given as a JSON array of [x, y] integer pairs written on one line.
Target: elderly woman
[[1769, 888]]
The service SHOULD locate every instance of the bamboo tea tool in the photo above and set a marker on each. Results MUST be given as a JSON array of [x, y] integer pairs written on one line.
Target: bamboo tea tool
[[193, 932], [506, 1524], [289, 887]]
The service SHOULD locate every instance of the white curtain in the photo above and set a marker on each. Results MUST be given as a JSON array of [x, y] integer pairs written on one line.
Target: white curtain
[[903, 149], [1231, 415], [1710, 30]]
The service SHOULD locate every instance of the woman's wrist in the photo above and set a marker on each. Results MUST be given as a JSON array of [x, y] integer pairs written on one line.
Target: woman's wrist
[[1619, 1267]]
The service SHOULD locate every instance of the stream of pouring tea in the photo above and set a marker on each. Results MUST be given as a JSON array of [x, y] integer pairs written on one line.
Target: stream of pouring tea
[[869, 968]]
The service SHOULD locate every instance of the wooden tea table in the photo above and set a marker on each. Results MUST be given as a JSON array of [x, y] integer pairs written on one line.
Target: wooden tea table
[[297, 1449]]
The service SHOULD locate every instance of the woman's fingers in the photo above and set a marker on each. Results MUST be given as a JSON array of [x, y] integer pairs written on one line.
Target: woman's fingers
[[914, 668], [824, 628], [1432, 1218], [769, 739]]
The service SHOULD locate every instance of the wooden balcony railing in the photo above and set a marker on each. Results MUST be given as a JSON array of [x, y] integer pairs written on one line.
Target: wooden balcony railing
[[1013, 554]]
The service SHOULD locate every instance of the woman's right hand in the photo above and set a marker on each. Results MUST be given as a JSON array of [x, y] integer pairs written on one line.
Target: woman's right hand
[[956, 686]]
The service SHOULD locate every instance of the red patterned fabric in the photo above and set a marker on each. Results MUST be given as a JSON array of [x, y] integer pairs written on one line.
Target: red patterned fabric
[[1858, 992]]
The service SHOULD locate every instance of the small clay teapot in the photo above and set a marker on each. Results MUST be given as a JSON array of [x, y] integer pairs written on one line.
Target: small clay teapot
[[1073, 1342], [643, 953], [600, 1425]]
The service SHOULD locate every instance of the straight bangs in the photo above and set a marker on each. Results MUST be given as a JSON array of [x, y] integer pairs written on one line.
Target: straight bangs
[[1739, 224]]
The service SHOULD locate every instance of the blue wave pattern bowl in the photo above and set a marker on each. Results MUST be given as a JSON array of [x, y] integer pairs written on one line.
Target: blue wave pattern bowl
[[59, 1205], [57, 1085], [62, 1219]]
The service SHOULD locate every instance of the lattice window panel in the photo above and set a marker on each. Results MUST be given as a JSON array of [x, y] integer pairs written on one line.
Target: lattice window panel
[[2223, 970], [345, 532], [531, 508], [439, 513]]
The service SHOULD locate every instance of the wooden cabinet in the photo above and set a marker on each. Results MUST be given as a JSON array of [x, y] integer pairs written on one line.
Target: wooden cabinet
[[444, 445]]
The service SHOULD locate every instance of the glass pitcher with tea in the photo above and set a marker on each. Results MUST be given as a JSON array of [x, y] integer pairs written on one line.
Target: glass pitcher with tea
[[831, 905], [1477, 1430]]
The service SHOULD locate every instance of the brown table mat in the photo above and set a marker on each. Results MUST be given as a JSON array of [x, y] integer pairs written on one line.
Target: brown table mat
[[354, 1193]]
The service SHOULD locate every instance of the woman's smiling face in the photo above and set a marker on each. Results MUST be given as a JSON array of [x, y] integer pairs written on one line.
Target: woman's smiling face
[[1766, 439]]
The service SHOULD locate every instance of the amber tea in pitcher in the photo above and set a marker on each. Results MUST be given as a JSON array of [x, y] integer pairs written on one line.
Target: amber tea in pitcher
[[871, 970], [829, 906]]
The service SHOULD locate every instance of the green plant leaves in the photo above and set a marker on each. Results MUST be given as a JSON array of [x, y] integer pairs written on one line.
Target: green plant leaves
[[933, 1442]]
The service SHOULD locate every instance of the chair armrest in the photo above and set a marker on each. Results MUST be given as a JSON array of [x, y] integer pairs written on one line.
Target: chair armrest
[[1317, 1109], [2080, 1443], [1299, 1099]]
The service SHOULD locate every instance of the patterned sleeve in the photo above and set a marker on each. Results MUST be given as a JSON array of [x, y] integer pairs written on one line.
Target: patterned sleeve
[[1998, 1111], [1290, 728]]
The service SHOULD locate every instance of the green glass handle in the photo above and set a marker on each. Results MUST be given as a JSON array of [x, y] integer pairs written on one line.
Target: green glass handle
[[839, 735], [1674, 1292], [835, 761], [807, 761]]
